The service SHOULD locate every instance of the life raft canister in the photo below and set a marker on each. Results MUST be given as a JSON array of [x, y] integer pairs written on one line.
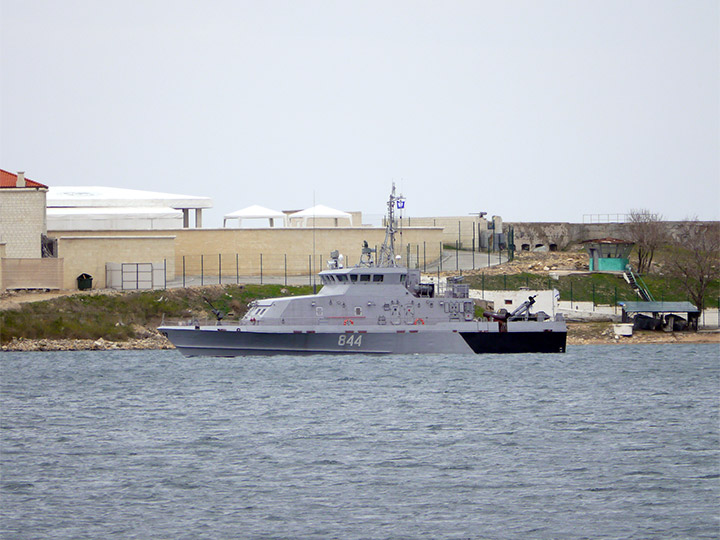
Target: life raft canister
[[348, 321], [419, 321]]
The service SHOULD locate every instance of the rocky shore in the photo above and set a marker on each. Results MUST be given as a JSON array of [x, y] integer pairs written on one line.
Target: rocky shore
[[578, 334], [146, 343]]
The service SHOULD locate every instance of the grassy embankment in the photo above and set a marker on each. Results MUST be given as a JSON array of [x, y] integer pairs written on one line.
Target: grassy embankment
[[117, 317]]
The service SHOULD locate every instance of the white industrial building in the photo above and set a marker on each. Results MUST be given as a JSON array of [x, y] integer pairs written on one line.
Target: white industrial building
[[73, 208]]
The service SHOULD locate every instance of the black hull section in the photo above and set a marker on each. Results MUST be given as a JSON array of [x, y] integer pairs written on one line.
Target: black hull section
[[516, 342]]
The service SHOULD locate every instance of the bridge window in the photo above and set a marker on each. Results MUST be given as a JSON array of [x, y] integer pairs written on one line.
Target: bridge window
[[377, 277], [342, 277], [353, 278], [364, 277]]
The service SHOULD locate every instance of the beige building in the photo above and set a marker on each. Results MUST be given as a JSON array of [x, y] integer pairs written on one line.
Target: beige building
[[22, 215], [25, 254]]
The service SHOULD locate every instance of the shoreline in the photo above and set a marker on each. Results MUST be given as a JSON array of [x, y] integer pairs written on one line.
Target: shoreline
[[578, 334]]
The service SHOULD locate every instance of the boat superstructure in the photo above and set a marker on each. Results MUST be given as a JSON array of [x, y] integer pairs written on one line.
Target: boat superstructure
[[376, 307]]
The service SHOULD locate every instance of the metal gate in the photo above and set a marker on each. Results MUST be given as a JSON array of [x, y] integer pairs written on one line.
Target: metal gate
[[136, 276]]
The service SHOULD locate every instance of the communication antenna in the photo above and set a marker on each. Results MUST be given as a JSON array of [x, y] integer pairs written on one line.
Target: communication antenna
[[312, 265], [387, 251]]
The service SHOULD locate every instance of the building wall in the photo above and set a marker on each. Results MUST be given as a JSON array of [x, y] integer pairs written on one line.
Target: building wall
[[26, 273], [22, 221], [2, 256], [282, 249], [457, 228], [85, 254], [609, 265]]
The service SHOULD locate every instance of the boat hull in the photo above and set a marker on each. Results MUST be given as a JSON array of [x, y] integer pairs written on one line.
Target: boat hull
[[242, 341]]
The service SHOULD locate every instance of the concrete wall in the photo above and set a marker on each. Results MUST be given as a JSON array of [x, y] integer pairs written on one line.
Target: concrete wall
[[454, 228], [85, 254], [22, 221], [240, 250], [565, 235], [28, 273], [2, 255], [546, 300]]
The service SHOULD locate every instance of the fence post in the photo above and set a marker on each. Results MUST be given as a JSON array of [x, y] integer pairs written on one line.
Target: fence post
[[441, 259], [219, 268], [237, 269], [164, 274], [424, 258], [202, 270], [286, 269], [261, 269], [183, 271], [615, 306], [310, 270], [457, 252]]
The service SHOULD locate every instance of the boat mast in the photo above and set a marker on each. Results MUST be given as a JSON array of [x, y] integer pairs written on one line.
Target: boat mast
[[387, 250]]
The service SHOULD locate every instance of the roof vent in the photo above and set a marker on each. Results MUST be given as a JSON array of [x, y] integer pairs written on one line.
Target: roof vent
[[20, 179]]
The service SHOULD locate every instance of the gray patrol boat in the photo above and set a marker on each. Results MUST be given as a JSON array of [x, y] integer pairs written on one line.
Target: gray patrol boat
[[374, 308]]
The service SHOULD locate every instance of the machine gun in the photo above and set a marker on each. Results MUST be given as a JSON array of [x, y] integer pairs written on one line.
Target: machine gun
[[219, 315], [522, 312]]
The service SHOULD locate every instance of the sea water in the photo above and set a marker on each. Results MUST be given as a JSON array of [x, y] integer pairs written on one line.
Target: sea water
[[600, 442]]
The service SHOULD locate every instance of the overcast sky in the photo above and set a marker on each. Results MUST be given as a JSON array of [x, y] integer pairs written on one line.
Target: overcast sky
[[535, 111]]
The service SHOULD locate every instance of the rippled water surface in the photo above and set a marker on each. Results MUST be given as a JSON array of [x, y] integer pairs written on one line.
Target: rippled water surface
[[601, 442]]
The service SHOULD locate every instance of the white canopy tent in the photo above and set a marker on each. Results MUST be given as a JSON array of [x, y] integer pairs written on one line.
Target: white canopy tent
[[319, 212], [256, 212]]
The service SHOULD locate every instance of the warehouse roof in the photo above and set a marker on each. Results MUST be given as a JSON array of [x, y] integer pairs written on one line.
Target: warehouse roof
[[99, 196]]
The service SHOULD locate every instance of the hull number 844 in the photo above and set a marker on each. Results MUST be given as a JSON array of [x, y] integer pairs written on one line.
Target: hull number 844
[[349, 340]]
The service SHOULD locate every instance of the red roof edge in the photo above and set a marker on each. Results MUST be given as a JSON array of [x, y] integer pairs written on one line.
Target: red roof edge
[[607, 241], [9, 180]]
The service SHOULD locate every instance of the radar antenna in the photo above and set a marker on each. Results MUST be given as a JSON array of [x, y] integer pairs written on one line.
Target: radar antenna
[[386, 256]]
